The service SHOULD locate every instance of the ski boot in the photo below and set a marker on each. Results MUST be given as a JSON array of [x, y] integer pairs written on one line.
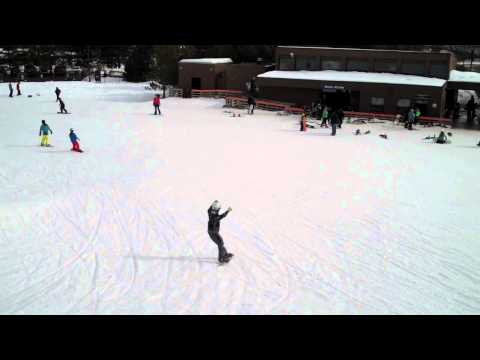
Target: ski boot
[[226, 258]]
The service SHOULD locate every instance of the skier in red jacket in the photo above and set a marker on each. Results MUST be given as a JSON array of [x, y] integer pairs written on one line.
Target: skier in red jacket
[[156, 104]]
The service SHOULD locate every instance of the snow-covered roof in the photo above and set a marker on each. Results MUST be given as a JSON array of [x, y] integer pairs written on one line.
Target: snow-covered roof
[[355, 76], [354, 49], [207, 61], [464, 76]]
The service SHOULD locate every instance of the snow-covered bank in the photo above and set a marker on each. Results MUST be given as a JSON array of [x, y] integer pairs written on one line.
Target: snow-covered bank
[[320, 224]]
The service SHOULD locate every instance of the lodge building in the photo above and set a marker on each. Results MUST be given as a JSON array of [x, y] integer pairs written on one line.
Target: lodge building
[[387, 81]]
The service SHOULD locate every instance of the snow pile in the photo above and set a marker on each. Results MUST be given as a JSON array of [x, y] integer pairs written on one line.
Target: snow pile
[[207, 61], [464, 76], [320, 224], [354, 76]]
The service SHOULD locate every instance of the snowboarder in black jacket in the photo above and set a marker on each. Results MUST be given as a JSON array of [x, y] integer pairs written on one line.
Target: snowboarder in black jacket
[[214, 218], [57, 92], [62, 106]]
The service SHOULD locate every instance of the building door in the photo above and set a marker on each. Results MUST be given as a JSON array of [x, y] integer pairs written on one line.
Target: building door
[[196, 83], [423, 107], [450, 100], [354, 101], [336, 99], [219, 81]]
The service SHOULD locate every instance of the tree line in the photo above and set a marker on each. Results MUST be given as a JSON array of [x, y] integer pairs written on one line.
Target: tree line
[[160, 62]]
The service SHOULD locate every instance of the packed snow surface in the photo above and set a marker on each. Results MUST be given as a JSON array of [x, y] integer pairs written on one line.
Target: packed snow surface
[[207, 61], [320, 224], [464, 76], [354, 76]]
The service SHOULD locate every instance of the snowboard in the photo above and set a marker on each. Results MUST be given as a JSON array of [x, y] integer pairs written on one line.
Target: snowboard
[[76, 150], [63, 113], [46, 145]]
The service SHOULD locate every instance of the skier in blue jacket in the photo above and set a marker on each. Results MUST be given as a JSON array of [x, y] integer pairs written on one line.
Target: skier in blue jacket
[[44, 130]]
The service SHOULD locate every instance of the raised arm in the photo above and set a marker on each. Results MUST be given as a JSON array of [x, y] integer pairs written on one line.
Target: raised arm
[[225, 213]]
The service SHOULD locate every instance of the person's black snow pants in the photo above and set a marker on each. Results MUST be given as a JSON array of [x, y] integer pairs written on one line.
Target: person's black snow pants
[[334, 128], [11, 93], [157, 107], [217, 239], [18, 92], [63, 110]]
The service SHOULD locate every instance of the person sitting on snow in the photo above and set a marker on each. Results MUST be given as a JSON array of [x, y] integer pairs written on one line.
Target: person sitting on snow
[[74, 139], [442, 138], [44, 130]]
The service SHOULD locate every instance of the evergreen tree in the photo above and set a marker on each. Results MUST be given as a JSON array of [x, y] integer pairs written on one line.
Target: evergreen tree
[[139, 63], [165, 62]]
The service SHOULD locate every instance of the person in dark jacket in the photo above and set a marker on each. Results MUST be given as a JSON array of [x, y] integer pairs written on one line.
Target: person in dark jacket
[[334, 120], [18, 89], [470, 107], [10, 87], [57, 92], [214, 218], [341, 115], [410, 119], [44, 131], [251, 104], [74, 139], [62, 106]]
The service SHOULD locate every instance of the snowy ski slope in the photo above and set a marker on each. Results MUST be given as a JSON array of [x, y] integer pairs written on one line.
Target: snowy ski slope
[[320, 224]]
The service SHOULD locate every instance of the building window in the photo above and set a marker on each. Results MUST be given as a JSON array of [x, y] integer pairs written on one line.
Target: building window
[[331, 64], [286, 63], [403, 105], [377, 104], [305, 63], [358, 65], [413, 68], [439, 70], [388, 66]]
